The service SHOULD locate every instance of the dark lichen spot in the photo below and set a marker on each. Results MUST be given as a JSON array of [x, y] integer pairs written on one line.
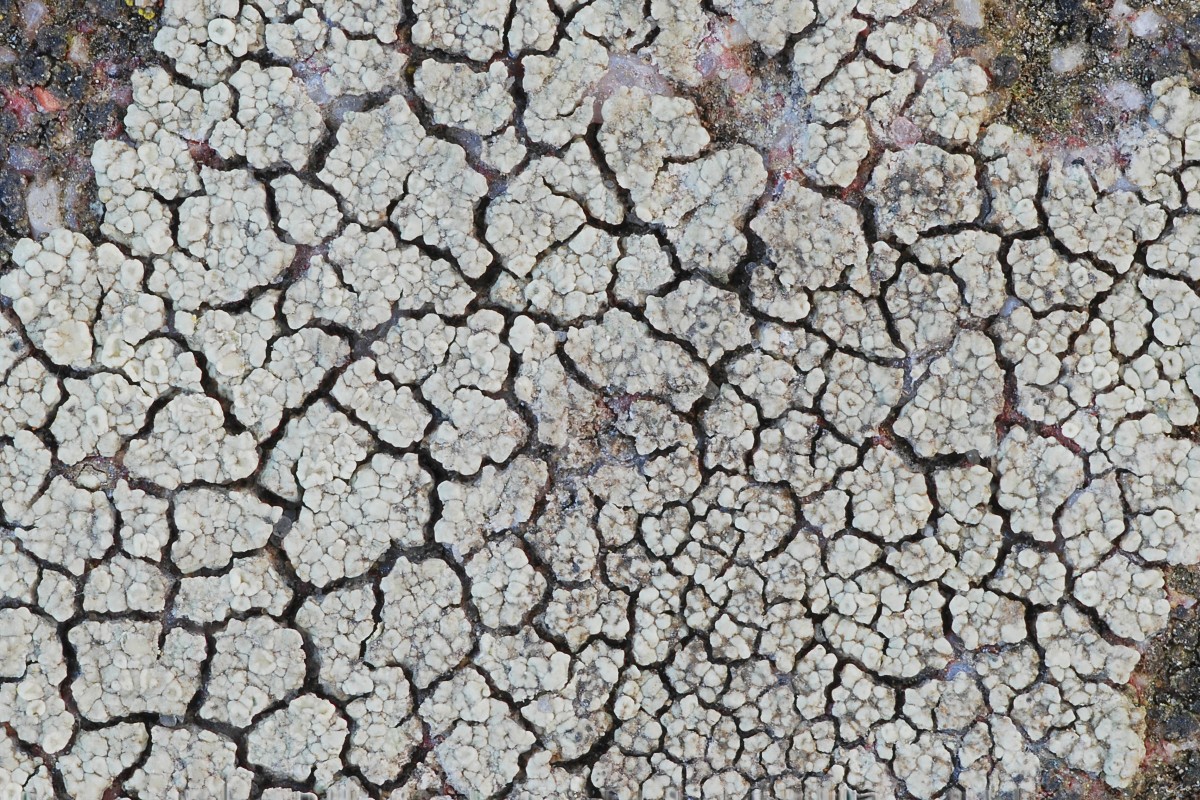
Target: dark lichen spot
[[1170, 671], [1019, 41], [1104, 37], [1005, 71], [64, 86]]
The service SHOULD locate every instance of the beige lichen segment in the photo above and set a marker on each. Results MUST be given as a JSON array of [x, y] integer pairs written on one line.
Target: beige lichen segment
[[424, 627], [1107, 225], [922, 188], [300, 741], [619, 351], [191, 756], [701, 204], [287, 136], [954, 102], [383, 155], [770, 22], [460, 28], [559, 88], [255, 663], [57, 288], [347, 523], [476, 101], [955, 408], [205, 39], [810, 239], [33, 668], [228, 245], [98, 757], [152, 669], [188, 442]]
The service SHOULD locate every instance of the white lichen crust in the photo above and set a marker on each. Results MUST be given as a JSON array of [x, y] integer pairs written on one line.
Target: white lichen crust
[[543, 399]]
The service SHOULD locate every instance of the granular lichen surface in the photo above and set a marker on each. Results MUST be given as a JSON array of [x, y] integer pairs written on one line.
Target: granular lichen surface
[[551, 399]]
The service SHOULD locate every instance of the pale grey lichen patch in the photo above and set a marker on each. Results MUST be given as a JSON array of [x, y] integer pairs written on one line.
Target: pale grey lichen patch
[[514, 426]]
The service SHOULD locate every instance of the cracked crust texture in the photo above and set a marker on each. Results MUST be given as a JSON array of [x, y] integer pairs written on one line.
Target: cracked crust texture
[[540, 400]]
